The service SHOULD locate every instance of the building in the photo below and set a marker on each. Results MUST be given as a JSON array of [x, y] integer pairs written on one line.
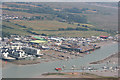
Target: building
[[32, 51], [104, 37]]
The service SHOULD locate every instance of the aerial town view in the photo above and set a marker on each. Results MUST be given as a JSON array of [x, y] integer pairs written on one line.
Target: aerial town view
[[59, 40]]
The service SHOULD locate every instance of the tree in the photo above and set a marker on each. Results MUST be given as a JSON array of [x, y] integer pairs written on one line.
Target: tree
[[78, 25], [61, 29]]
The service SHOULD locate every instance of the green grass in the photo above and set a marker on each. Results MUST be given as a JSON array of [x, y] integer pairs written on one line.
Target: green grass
[[47, 24], [16, 29], [108, 22], [18, 13], [74, 33], [43, 25], [104, 18], [40, 27]]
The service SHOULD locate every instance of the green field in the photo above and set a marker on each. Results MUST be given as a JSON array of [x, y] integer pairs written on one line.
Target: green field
[[43, 27], [18, 13], [46, 24], [74, 33], [104, 18]]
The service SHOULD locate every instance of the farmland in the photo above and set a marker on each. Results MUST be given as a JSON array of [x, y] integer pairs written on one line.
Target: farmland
[[46, 24], [74, 33], [48, 28], [60, 19], [103, 18]]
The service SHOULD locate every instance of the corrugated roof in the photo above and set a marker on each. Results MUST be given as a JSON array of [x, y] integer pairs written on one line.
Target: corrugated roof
[[38, 41], [39, 38]]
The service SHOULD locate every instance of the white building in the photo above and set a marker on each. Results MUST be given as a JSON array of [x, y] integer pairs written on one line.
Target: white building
[[32, 51]]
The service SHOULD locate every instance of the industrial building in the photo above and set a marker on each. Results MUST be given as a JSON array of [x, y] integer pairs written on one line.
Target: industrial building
[[32, 51]]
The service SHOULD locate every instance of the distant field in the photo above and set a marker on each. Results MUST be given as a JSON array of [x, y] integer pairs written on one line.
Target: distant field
[[18, 13], [46, 24], [43, 25], [13, 29], [102, 18], [105, 18], [74, 33], [107, 22], [40, 27]]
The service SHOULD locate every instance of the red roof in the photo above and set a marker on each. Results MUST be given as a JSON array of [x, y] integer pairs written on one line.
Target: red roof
[[33, 38], [58, 68], [104, 36]]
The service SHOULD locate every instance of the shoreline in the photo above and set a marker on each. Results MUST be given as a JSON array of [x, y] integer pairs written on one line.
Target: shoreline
[[39, 73], [68, 75], [105, 59], [75, 75], [98, 73], [49, 58]]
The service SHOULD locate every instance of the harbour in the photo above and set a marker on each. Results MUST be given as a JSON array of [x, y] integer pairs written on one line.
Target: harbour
[[59, 40], [26, 71]]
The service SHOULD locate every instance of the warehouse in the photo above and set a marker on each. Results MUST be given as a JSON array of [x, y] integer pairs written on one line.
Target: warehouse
[[32, 51]]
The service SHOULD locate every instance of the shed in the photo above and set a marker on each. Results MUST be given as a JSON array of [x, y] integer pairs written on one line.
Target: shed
[[104, 37], [36, 37], [38, 41]]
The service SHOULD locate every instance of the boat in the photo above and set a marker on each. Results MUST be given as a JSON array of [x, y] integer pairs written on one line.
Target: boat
[[58, 69], [10, 59], [20, 58]]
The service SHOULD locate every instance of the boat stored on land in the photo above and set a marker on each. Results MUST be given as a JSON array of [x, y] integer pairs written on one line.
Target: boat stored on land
[[10, 59]]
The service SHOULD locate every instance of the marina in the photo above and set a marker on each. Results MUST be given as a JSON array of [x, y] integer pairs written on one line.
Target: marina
[[26, 71], [59, 40], [45, 47]]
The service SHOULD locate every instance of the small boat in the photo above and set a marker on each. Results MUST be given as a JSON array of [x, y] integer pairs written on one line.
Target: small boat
[[58, 69], [10, 59]]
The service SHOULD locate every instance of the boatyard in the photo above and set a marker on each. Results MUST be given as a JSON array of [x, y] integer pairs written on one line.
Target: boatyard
[[56, 57], [43, 49], [76, 40]]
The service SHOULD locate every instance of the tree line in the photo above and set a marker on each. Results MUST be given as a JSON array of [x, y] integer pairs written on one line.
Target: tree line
[[65, 14]]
